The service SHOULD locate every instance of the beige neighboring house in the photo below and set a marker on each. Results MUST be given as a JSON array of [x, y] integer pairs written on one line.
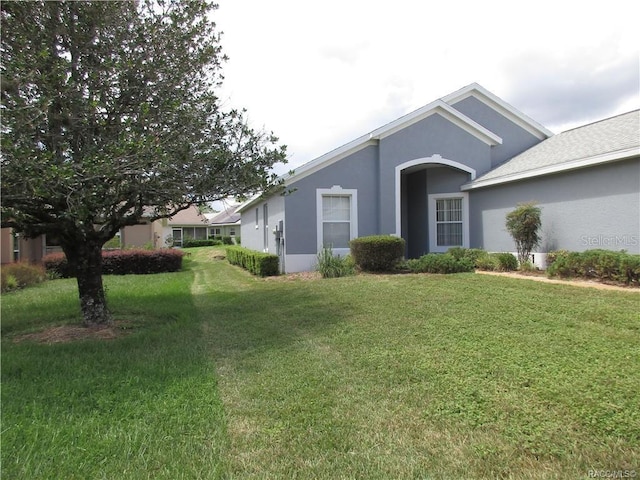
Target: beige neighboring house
[[188, 224], [15, 247], [162, 233]]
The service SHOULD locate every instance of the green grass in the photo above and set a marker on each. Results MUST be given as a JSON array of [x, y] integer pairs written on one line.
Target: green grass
[[394, 376]]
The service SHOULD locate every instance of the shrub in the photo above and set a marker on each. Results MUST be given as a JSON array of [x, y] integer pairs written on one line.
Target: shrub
[[258, 263], [473, 254], [506, 261], [227, 240], [377, 253], [552, 256], [523, 224], [331, 266], [20, 275], [630, 269], [122, 262], [200, 243], [440, 263], [487, 262], [596, 264], [565, 264]]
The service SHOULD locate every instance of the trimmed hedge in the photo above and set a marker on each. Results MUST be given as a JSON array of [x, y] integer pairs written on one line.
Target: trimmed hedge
[[258, 263], [603, 265], [440, 263], [377, 253], [200, 243], [123, 262]]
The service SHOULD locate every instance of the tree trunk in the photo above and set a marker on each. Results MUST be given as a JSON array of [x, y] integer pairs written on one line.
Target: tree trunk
[[86, 261]]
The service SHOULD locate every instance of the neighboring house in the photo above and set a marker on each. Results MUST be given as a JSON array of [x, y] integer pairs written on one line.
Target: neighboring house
[[15, 247], [225, 223], [447, 174], [189, 223]]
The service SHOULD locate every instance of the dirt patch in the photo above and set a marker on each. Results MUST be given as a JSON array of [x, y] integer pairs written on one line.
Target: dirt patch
[[72, 333], [217, 256], [293, 277], [541, 277]]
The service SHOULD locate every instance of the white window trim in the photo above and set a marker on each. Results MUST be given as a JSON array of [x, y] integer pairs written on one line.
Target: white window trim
[[433, 247], [338, 191]]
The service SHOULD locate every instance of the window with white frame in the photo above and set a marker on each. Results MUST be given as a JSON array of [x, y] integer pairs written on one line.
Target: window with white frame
[[448, 221], [337, 218]]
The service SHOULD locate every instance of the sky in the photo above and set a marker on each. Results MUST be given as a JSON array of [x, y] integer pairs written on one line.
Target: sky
[[320, 74]]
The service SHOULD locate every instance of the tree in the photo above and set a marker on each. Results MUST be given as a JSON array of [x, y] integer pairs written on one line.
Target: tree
[[524, 224], [109, 114]]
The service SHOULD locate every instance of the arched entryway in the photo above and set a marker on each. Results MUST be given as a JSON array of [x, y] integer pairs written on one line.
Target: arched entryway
[[431, 211]]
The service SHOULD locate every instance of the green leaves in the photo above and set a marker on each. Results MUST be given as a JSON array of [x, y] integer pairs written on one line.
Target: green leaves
[[111, 107]]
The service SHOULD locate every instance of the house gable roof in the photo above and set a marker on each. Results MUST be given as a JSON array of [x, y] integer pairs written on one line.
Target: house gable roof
[[437, 107], [189, 216], [443, 107], [496, 103], [229, 216], [612, 139]]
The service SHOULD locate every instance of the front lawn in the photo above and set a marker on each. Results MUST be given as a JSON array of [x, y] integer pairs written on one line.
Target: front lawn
[[389, 376]]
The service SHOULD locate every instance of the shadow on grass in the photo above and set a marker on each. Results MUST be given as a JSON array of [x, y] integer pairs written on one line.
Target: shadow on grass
[[145, 402]]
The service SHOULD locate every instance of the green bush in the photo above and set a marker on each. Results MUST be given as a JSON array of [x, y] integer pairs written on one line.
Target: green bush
[[227, 240], [258, 263], [377, 253], [596, 264], [440, 263], [506, 261], [200, 243], [20, 275], [122, 262], [487, 262], [334, 266]]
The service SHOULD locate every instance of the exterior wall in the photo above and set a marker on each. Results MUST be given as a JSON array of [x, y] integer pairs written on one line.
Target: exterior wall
[[358, 171], [259, 235], [29, 249], [598, 207], [225, 230], [6, 245], [136, 235], [371, 171], [416, 187], [432, 136]]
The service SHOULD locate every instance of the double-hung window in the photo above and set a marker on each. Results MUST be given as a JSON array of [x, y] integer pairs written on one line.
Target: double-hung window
[[448, 221], [337, 218]]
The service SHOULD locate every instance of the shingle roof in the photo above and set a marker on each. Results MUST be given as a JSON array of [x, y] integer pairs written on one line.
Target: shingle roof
[[228, 216], [611, 139], [190, 216]]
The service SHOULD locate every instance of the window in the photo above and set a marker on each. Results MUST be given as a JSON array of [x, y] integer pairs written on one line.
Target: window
[[336, 221], [448, 221], [337, 218]]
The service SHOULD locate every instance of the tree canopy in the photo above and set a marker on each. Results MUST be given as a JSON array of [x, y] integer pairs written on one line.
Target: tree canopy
[[109, 114]]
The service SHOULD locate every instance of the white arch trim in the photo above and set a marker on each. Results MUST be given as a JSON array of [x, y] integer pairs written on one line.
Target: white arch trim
[[420, 161]]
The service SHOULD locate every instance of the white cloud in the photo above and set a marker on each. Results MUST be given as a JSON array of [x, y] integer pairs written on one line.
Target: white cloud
[[321, 74]]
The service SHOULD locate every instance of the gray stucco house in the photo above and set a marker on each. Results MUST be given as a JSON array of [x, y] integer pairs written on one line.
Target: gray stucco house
[[447, 174]]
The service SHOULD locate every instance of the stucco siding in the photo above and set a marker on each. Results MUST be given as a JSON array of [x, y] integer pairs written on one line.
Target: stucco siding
[[358, 171], [431, 136], [514, 138], [584, 209]]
